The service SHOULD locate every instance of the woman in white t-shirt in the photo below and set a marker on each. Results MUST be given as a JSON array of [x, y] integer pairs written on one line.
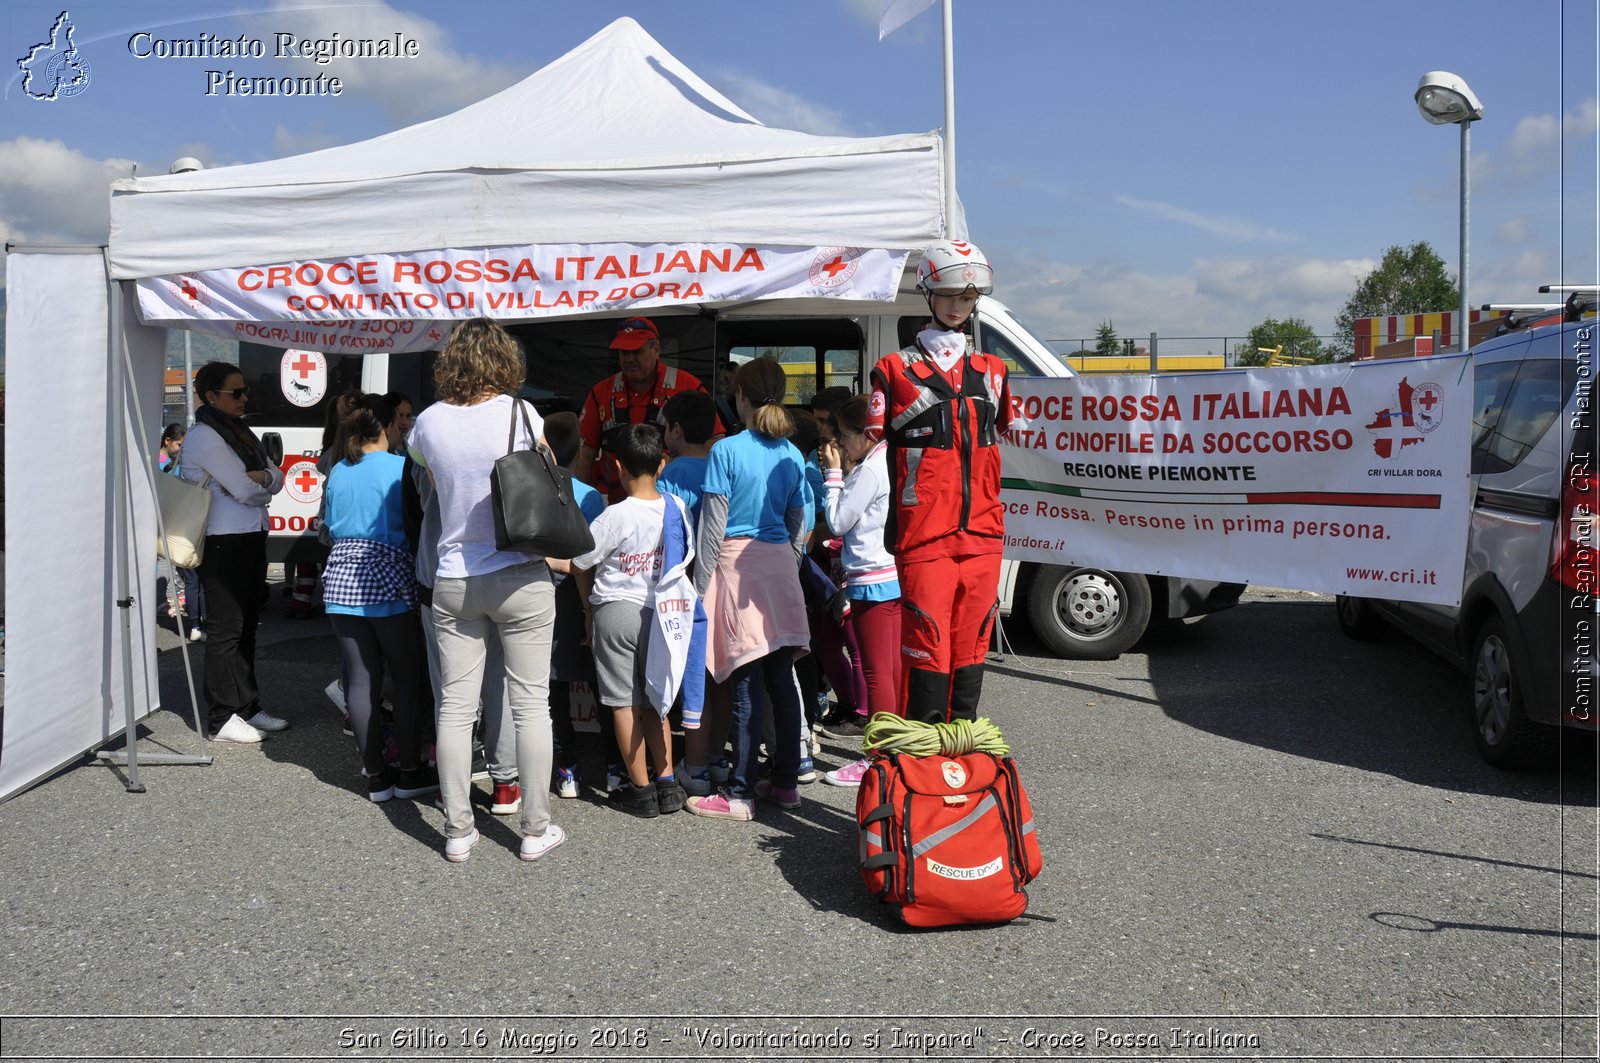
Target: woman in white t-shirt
[[480, 588]]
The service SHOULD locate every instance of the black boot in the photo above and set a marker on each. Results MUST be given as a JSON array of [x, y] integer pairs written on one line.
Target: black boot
[[927, 696], [966, 690]]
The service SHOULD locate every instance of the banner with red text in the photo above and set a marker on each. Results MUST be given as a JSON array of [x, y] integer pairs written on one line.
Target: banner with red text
[[405, 302], [1349, 479]]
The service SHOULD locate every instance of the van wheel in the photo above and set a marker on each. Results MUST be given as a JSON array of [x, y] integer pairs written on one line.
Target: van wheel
[[1506, 737], [1088, 614], [1358, 619]]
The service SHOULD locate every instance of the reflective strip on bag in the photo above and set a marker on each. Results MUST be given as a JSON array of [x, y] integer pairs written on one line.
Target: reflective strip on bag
[[940, 836]]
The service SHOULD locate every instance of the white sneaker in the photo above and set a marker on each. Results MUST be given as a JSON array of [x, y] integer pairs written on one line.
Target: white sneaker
[[265, 721], [236, 730], [197, 634], [335, 694], [456, 850], [533, 848]]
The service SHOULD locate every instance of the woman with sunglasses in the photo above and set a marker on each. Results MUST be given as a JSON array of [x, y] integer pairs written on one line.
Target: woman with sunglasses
[[222, 452]]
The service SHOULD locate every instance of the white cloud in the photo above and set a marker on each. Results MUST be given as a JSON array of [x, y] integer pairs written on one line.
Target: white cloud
[[1231, 228], [1533, 149], [50, 193], [439, 80], [1215, 300], [314, 139], [1512, 231], [779, 107], [864, 11]]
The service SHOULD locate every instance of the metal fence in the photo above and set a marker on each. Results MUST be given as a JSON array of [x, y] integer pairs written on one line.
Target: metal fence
[[1230, 347]]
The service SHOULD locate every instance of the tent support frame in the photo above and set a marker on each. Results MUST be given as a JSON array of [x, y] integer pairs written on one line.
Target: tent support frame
[[122, 520]]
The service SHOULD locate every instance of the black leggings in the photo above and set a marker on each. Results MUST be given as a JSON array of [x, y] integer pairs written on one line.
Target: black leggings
[[366, 644]]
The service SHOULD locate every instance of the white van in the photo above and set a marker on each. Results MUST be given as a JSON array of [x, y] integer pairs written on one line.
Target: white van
[[1078, 611]]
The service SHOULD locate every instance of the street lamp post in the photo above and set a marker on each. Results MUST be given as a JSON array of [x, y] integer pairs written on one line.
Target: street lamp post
[[1445, 99]]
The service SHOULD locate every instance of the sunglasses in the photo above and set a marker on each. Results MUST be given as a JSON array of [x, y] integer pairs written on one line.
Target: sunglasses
[[636, 323], [237, 393]]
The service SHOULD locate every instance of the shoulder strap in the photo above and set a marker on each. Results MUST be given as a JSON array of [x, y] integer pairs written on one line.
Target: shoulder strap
[[517, 408]]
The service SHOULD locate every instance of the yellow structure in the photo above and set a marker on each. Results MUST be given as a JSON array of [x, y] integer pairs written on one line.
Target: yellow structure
[[1098, 364]]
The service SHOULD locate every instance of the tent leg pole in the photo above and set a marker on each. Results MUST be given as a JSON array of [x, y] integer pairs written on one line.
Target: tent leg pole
[[122, 526], [122, 511]]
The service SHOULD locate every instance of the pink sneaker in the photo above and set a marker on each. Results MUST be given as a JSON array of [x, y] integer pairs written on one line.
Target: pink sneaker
[[784, 797], [849, 775], [721, 806]]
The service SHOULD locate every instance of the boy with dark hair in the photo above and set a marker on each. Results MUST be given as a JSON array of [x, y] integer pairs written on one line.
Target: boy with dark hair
[[691, 420], [616, 581], [568, 662]]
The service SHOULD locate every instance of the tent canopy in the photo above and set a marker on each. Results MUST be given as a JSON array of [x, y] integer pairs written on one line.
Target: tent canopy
[[616, 141]]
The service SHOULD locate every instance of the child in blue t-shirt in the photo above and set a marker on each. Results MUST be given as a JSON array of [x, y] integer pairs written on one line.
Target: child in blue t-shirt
[[691, 420], [370, 597]]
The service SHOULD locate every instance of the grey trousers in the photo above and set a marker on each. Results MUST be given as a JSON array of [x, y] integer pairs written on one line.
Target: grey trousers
[[518, 604], [499, 733]]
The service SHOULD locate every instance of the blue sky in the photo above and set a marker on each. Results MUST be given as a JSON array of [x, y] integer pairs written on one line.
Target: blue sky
[[1179, 167]]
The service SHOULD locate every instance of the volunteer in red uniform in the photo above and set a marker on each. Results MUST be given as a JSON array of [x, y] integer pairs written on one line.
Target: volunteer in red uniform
[[941, 406], [633, 395]]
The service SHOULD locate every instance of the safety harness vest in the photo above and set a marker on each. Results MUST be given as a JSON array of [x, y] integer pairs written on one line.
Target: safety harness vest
[[619, 411], [944, 452]]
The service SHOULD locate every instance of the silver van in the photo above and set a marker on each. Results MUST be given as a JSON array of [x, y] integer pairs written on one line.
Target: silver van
[[1525, 628]]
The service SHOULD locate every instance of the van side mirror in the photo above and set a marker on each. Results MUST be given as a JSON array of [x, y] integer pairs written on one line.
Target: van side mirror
[[274, 444]]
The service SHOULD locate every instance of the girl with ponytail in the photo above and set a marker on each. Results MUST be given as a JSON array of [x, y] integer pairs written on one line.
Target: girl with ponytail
[[752, 532]]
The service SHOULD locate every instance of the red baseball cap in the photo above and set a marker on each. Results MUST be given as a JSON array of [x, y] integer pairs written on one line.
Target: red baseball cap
[[635, 333]]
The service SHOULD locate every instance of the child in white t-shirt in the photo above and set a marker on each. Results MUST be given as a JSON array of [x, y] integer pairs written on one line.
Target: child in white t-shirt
[[616, 581]]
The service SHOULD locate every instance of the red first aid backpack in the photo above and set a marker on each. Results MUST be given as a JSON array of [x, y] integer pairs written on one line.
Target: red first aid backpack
[[947, 840]]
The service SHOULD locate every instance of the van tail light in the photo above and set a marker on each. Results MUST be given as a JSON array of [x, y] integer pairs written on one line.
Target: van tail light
[[1577, 563]]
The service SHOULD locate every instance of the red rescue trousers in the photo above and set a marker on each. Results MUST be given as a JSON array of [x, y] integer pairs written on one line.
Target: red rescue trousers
[[947, 605]]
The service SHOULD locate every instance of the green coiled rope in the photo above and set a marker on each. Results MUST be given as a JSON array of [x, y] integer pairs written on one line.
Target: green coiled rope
[[887, 733]]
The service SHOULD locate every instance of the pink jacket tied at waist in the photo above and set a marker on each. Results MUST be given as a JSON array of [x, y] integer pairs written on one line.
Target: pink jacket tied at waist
[[753, 606]]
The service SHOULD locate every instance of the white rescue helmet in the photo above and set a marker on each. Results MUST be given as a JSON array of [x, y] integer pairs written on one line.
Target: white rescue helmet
[[953, 266]]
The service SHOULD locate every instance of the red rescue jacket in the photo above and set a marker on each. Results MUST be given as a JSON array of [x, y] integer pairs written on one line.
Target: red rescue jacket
[[943, 432]]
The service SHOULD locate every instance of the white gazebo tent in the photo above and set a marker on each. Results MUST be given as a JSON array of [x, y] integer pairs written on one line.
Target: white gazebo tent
[[616, 150]]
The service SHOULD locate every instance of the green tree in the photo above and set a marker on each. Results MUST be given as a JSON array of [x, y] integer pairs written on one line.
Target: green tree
[[1105, 340], [1409, 280], [1292, 334]]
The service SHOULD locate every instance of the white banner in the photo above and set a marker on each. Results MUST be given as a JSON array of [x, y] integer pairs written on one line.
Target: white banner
[[405, 302], [1348, 478]]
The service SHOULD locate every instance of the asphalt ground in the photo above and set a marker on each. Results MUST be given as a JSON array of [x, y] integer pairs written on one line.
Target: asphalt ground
[[1261, 840]]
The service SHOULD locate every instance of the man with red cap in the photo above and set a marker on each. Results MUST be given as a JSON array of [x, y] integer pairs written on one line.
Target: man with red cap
[[632, 395], [941, 406]]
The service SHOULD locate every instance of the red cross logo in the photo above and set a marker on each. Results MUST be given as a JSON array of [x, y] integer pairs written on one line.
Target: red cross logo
[[190, 292], [832, 268], [303, 365], [306, 481], [1428, 401]]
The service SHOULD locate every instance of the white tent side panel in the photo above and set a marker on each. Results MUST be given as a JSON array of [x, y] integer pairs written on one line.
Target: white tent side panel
[[64, 678]]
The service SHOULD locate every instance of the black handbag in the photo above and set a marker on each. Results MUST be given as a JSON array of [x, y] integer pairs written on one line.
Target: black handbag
[[532, 496]]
